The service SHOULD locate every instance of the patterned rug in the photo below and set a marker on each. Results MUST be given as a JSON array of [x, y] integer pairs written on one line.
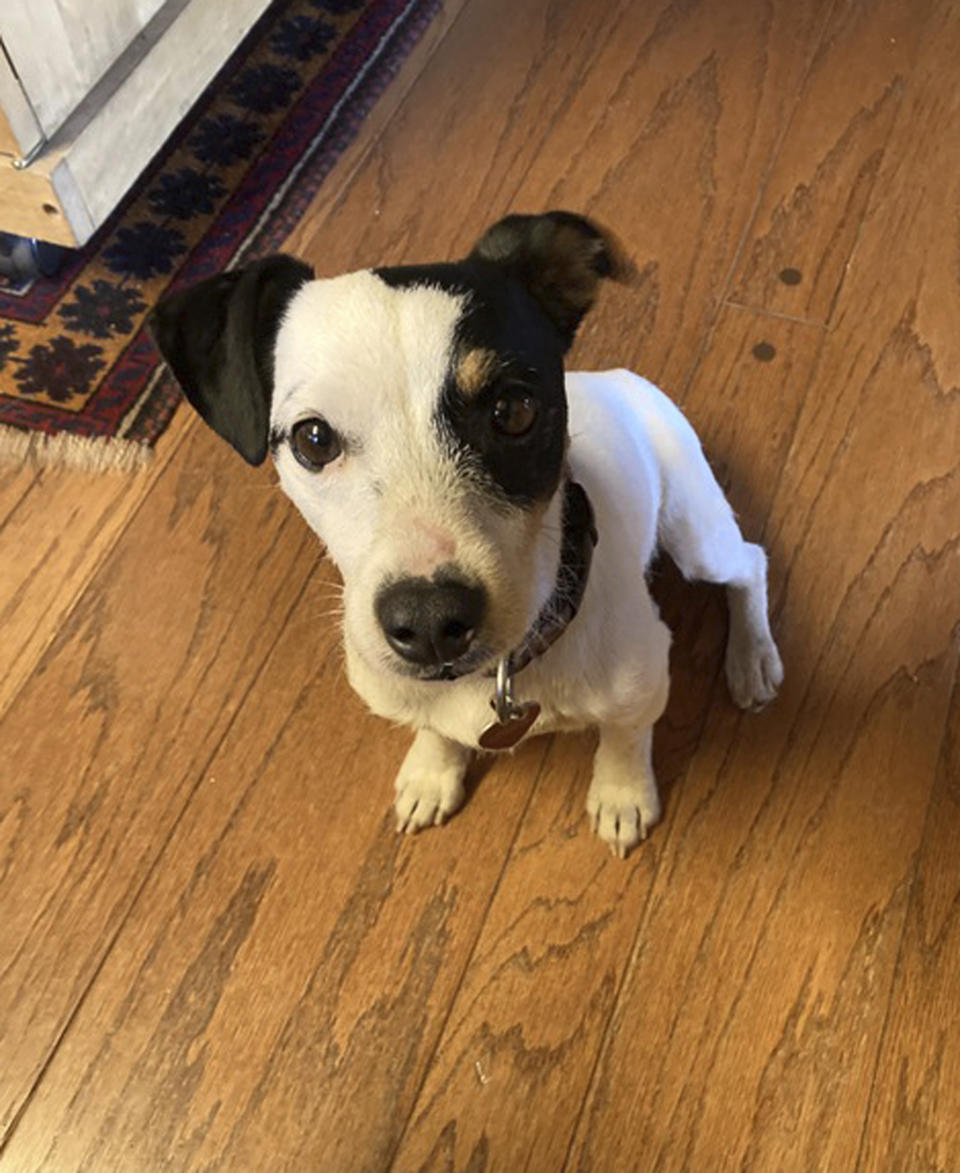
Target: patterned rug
[[80, 381]]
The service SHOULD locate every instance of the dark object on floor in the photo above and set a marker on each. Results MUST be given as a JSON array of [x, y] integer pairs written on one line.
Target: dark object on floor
[[24, 259]]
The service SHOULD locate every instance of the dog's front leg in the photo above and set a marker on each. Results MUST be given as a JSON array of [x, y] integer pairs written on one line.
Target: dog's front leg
[[430, 783], [623, 803]]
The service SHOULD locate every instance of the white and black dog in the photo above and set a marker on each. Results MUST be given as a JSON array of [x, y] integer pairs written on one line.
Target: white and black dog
[[421, 421]]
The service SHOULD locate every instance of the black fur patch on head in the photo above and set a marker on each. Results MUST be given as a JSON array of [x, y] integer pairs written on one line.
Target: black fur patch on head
[[528, 283], [500, 319], [559, 257]]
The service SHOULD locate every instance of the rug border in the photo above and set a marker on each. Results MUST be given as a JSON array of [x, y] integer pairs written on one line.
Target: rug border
[[20, 448]]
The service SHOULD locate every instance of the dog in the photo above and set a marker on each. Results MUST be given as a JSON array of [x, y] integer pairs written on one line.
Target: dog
[[493, 517]]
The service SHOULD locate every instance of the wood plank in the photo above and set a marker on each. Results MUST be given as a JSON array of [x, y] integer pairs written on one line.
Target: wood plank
[[515, 1059], [517, 1049], [914, 1120], [15, 483], [621, 115], [287, 895], [749, 1039], [114, 727], [31, 205], [58, 527], [825, 172]]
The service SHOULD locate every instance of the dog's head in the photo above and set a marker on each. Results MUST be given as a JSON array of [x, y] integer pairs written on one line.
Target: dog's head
[[418, 420]]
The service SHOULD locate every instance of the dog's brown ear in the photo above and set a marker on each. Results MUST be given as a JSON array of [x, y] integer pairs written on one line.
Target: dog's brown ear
[[218, 338], [559, 256]]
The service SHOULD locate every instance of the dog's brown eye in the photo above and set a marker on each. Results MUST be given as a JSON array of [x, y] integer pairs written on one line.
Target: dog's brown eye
[[314, 443], [514, 415]]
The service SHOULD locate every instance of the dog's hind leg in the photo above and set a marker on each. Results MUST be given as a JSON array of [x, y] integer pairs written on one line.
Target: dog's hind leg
[[753, 667], [698, 530]]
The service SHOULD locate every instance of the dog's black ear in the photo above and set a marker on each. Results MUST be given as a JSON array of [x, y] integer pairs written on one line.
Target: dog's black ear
[[218, 338], [560, 257]]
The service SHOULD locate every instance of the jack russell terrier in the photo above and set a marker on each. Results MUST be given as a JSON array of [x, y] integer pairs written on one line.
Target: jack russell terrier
[[492, 517]]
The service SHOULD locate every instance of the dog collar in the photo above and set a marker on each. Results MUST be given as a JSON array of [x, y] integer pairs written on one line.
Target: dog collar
[[576, 554]]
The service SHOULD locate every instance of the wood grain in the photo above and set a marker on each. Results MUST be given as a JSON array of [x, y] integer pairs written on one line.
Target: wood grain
[[541, 984], [347, 972], [374, 126], [15, 483], [762, 1053], [914, 1118], [815, 198], [105, 742], [25, 197], [56, 527]]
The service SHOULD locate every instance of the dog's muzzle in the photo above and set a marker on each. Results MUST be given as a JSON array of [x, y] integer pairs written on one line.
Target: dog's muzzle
[[432, 624]]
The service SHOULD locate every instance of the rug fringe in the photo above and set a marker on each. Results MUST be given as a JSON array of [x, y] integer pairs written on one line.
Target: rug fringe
[[62, 450]]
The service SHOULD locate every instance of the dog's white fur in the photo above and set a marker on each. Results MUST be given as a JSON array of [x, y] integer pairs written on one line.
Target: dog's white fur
[[394, 504]]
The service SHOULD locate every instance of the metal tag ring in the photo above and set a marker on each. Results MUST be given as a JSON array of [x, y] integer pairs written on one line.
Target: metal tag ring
[[503, 702]]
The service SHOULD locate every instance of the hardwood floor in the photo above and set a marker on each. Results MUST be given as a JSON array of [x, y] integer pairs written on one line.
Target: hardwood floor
[[215, 953]]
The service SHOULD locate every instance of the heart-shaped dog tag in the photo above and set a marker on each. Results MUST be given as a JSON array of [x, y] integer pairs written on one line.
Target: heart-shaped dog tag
[[506, 734]]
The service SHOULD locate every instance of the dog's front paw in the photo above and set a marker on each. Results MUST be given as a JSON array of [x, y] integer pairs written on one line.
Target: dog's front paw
[[427, 798], [623, 803], [754, 672], [621, 815], [430, 783]]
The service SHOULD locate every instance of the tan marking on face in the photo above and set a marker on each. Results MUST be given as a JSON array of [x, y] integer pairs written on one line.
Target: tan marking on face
[[474, 371]]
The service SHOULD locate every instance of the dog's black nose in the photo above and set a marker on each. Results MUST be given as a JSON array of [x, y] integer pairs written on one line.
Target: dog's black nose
[[430, 623]]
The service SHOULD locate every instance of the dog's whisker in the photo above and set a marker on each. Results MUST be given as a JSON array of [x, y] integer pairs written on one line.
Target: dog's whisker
[[328, 595], [312, 618], [318, 583]]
